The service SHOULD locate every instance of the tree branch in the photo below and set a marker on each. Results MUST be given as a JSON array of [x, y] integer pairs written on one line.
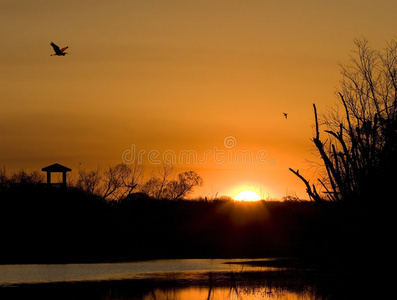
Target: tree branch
[[312, 193]]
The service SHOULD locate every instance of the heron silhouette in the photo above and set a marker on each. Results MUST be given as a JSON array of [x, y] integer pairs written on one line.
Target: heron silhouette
[[285, 115], [58, 51]]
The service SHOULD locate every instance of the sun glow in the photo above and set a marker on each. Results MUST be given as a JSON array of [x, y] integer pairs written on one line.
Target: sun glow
[[247, 196]]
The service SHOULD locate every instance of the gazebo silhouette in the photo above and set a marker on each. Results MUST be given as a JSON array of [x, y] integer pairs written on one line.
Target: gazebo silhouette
[[56, 168]]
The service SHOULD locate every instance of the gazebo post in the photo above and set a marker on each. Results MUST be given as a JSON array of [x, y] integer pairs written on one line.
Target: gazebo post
[[64, 179], [48, 178]]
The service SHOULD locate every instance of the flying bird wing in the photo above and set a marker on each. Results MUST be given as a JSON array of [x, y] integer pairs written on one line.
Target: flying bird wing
[[56, 48], [64, 48]]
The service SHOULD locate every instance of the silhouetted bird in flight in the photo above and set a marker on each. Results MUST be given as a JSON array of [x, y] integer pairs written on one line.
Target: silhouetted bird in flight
[[285, 115], [59, 52]]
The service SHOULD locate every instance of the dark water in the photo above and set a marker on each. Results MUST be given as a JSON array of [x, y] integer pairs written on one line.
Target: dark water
[[170, 279]]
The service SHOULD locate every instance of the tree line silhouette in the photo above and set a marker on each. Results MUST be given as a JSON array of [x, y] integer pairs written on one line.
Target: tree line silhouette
[[120, 181], [115, 183]]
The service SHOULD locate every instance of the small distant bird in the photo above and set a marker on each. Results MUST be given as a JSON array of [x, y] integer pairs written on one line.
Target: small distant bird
[[285, 115], [58, 51]]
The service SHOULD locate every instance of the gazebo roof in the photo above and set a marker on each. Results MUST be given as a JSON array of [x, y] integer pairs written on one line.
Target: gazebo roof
[[56, 168]]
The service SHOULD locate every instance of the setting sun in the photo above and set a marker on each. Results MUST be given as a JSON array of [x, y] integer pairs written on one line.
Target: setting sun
[[247, 196]]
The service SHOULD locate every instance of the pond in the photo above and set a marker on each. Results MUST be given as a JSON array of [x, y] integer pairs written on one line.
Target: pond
[[162, 279]]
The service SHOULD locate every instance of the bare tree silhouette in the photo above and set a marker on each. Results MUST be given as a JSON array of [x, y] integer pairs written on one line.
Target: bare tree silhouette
[[155, 186], [90, 181], [183, 186], [162, 186], [114, 183], [359, 153]]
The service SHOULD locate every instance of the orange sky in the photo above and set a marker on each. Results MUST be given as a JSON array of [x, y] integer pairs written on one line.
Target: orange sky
[[174, 76]]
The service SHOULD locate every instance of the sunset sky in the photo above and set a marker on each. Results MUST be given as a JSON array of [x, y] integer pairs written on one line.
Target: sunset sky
[[203, 83]]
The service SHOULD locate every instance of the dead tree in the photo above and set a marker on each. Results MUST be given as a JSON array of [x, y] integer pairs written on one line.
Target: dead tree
[[359, 154]]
